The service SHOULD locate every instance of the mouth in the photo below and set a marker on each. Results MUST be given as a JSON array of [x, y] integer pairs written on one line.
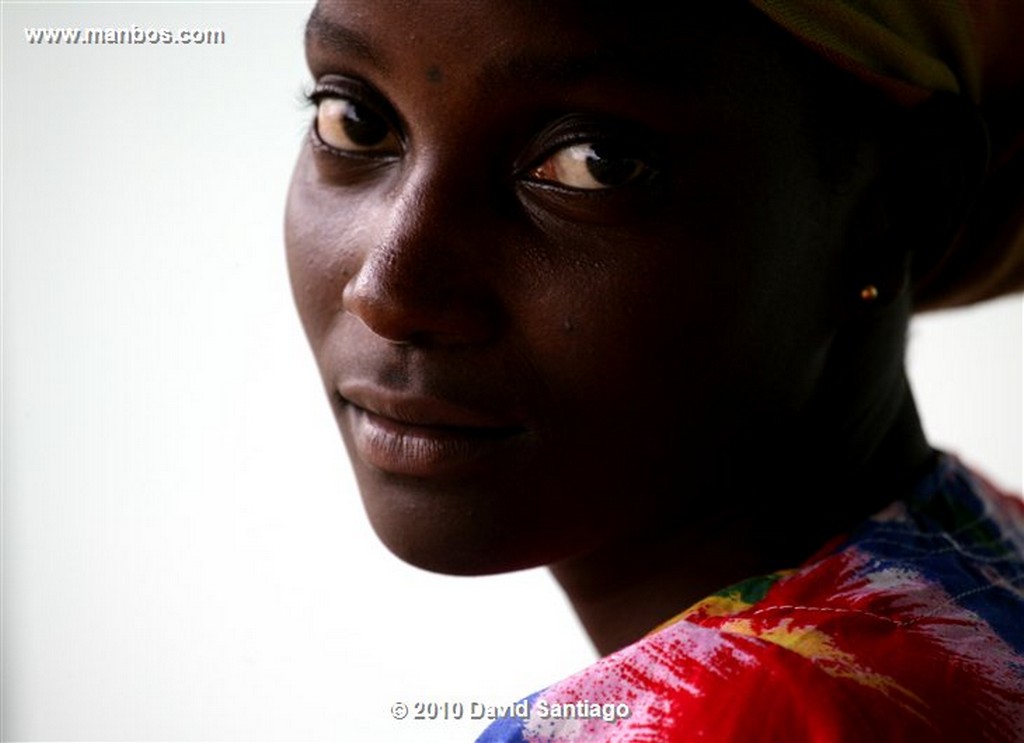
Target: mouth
[[419, 436]]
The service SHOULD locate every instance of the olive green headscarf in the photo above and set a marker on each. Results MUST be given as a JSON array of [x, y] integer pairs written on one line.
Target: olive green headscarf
[[911, 48]]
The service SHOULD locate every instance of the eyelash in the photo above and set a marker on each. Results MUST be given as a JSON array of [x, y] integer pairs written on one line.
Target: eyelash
[[350, 104], [582, 141]]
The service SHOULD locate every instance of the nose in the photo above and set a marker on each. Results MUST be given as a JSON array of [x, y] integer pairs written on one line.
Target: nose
[[424, 279]]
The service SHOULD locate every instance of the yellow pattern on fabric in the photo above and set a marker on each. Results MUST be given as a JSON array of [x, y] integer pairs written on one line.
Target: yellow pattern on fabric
[[818, 646], [715, 606]]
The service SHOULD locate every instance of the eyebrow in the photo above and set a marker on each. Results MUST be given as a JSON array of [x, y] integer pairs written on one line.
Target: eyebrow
[[525, 68], [677, 68], [341, 39]]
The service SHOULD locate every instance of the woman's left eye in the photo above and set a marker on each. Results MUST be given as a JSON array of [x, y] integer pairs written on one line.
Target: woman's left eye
[[591, 166]]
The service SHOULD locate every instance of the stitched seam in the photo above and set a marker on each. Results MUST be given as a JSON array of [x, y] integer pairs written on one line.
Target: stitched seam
[[986, 516], [1012, 584], [826, 609]]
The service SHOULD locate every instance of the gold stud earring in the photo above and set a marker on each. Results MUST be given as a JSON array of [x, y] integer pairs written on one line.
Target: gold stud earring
[[869, 293]]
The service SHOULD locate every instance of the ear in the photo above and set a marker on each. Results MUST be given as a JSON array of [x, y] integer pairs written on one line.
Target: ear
[[934, 167]]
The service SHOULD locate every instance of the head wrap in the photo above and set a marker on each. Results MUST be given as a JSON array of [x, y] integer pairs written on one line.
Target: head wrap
[[910, 49]]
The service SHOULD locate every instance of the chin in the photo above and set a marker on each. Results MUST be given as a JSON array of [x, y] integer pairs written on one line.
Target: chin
[[453, 551], [457, 530]]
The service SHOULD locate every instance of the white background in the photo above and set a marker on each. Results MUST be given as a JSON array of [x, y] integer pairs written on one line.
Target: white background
[[184, 554]]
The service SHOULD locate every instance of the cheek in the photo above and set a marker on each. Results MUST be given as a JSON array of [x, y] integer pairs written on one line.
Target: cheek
[[663, 348], [320, 250], [626, 358]]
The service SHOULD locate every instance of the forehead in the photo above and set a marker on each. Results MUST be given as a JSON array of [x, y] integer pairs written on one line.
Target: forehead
[[528, 41]]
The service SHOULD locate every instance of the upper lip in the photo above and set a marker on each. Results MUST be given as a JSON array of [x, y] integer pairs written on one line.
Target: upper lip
[[415, 409]]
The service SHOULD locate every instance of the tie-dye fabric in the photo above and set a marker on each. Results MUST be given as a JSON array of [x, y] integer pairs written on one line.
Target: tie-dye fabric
[[911, 628]]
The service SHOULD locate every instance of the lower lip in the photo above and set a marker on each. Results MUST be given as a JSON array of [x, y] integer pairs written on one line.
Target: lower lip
[[421, 451]]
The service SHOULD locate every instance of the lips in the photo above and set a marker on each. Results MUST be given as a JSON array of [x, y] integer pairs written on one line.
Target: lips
[[418, 435]]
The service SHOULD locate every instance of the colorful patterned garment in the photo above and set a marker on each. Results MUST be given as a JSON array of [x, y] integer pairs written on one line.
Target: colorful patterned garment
[[911, 628]]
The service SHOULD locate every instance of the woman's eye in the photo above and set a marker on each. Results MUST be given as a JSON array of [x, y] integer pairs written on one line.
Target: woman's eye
[[351, 127], [590, 166]]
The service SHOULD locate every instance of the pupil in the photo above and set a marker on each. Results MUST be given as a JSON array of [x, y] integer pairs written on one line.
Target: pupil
[[610, 168], [364, 127]]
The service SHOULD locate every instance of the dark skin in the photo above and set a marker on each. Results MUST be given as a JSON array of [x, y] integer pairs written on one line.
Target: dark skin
[[582, 295]]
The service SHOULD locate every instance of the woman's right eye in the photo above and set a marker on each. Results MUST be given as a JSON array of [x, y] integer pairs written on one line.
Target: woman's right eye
[[350, 127]]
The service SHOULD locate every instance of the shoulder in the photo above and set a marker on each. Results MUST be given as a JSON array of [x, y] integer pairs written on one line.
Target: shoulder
[[910, 629], [789, 679]]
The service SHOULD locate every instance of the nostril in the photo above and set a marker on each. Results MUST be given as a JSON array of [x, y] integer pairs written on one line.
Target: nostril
[[366, 297]]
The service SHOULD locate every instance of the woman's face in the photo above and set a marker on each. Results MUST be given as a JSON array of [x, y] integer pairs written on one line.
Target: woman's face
[[557, 269]]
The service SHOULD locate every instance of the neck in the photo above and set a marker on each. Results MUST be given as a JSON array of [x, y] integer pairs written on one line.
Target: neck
[[624, 590]]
